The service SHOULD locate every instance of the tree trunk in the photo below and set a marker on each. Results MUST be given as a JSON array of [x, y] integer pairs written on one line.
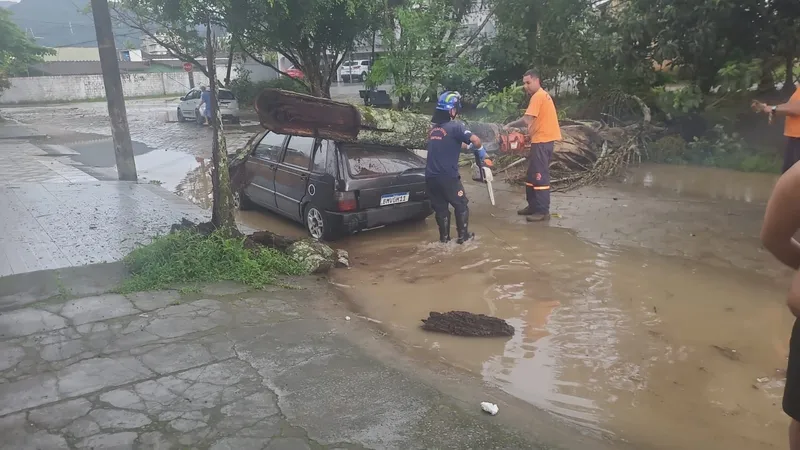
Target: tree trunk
[[788, 82], [230, 63], [222, 209]]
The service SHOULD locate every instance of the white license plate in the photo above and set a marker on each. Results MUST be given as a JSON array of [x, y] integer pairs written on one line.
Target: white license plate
[[393, 199]]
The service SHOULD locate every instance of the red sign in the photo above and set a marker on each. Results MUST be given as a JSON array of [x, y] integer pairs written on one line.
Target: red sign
[[187, 66]]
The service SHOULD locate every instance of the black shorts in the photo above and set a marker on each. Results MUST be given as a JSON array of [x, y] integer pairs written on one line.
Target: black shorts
[[792, 153], [791, 393]]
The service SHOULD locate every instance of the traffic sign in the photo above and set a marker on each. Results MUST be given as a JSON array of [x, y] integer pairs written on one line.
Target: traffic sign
[[187, 66]]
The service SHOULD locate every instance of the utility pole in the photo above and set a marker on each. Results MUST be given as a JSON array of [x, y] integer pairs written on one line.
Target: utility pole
[[123, 147]]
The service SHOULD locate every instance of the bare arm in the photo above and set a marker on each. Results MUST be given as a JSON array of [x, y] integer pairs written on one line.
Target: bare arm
[[523, 122], [782, 220], [791, 108]]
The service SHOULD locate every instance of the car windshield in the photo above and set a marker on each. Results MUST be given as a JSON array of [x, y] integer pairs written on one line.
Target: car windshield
[[371, 160], [226, 95]]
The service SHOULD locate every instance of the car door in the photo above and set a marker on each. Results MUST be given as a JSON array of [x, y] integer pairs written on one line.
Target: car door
[[189, 103], [261, 170], [291, 175]]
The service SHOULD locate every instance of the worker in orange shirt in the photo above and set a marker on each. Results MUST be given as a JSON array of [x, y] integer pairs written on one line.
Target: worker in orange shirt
[[791, 110], [541, 121]]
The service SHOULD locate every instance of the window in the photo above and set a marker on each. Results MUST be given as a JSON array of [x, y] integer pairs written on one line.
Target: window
[[299, 150], [270, 146], [321, 159], [370, 160], [365, 63], [226, 95]]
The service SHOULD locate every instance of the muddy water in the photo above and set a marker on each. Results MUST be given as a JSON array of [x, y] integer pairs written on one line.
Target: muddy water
[[660, 351], [613, 334], [705, 182]]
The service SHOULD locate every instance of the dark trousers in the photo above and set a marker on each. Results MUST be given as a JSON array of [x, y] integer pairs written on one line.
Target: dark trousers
[[444, 191], [537, 181], [792, 153]]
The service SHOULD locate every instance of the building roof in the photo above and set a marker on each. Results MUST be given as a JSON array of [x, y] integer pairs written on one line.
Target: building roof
[[74, 54]]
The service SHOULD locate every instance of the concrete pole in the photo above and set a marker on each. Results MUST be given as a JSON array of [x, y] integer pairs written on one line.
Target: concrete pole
[[123, 147]]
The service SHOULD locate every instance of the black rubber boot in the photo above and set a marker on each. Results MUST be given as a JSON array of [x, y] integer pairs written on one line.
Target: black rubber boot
[[462, 227], [444, 228], [526, 211]]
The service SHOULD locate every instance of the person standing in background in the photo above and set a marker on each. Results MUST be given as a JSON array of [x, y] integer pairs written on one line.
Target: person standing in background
[[541, 120], [791, 130]]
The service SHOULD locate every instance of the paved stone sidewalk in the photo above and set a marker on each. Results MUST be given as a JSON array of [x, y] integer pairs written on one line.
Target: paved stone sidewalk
[[222, 369], [55, 215]]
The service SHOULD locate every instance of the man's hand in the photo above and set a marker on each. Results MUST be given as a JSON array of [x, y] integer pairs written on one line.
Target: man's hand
[[760, 107]]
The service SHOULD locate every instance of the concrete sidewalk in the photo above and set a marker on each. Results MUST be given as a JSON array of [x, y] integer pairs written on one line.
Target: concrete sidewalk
[[222, 369], [56, 215]]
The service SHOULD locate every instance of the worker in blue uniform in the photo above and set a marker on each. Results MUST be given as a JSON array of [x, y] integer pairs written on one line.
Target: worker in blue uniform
[[446, 140]]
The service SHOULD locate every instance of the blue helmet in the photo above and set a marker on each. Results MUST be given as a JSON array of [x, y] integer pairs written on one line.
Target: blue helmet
[[448, 101]]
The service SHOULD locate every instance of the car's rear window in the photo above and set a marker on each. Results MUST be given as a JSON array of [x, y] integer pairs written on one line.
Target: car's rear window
[[226, 95], [371, 160]]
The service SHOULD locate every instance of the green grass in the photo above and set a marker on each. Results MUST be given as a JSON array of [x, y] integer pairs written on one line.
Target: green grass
[[189, 257]]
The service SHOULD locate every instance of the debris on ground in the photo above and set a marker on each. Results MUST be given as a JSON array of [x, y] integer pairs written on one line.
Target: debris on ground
[[316, 257], [728, 352], [342, 258], [462, 323], [490, 408]]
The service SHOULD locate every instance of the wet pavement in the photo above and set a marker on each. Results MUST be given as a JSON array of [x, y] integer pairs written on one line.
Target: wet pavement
[[646, 310], [224, 368]]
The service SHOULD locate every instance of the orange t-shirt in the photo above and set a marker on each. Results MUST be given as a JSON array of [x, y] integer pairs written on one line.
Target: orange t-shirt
[[544, 127], [792, 128]]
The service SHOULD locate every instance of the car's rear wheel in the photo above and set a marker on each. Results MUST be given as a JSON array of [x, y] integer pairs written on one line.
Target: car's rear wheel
[[180, 116], [242, 202], [317, 224], [363, 76]]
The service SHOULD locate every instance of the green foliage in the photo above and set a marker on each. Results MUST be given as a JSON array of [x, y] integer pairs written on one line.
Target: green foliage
[[246, 90], [314, 35], [17, 50], [504, 105], [716, 149], [738, 76], [427, 51], [684, 100], [189, 257]]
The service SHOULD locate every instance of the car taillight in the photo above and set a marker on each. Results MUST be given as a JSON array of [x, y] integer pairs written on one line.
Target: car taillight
[[346, 201]]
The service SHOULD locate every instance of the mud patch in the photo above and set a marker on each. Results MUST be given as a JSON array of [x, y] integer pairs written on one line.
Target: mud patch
[[462, 323]]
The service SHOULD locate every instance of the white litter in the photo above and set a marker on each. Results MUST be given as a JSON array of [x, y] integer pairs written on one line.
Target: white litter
[[346, 317], [490, 408]]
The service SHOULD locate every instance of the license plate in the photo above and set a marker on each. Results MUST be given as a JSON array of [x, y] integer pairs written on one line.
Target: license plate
[[393, 199]]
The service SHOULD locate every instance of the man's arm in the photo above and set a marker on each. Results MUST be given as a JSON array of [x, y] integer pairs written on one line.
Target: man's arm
[[791, 108], [523, 122], [782, 219]]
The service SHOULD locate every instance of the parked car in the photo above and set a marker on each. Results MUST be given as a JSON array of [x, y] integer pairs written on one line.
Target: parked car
[[357, 69], [334, 188], [295, 73], [228, 106]]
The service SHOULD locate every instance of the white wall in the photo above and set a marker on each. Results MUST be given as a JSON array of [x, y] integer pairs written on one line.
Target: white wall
[[88, 87]]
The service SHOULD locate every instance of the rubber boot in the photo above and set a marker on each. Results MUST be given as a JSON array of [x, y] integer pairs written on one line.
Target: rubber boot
[[444, 228], [462, 226]]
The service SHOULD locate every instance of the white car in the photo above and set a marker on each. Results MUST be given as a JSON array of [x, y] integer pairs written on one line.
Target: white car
[[228, 106], [356, 69]]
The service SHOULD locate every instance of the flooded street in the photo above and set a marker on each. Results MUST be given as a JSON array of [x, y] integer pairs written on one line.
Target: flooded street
[[658, 350], [645, 310]]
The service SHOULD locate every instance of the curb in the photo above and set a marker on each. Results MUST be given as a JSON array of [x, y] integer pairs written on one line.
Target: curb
[[82, 281]]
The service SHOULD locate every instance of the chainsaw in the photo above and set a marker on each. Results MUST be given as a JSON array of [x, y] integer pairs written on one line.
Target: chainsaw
[[507, 142]]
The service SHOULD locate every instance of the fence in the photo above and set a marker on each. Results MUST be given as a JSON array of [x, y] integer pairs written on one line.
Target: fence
[[67, 88]]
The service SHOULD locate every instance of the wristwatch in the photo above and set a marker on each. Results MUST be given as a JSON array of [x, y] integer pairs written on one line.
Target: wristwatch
[[773, 110]]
